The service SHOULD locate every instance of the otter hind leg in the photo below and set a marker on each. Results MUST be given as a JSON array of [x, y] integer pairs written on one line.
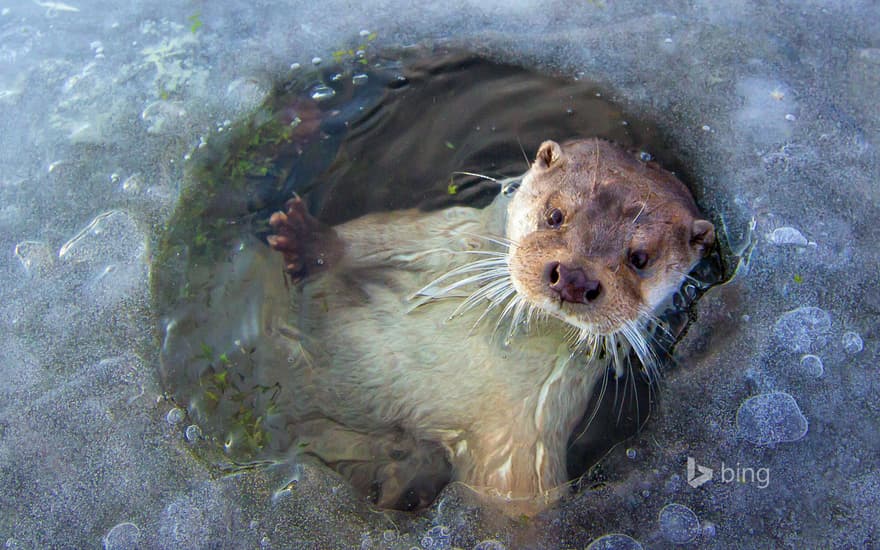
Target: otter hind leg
[[309, 246], [391, 469], [414, 481]]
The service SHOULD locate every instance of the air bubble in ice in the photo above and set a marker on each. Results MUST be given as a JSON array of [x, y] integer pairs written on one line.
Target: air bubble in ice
[[771, 418], [164, 117], [679, 524], [615, 541], [175, 415], [852, 342], [36, 257], [708, 530], [193, 433], [437, 538], [122, 536], [245, 93], [811, 365], [804, 329], [787, 235]]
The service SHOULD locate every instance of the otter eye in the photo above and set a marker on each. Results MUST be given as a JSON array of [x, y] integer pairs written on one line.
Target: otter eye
[[638, 259], [555, 218]]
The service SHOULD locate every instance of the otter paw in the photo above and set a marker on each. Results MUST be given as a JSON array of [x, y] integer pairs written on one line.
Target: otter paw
[[308, 246]]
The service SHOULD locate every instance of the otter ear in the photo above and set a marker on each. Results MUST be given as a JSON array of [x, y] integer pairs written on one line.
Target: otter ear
[[702, 235], [548, 154]]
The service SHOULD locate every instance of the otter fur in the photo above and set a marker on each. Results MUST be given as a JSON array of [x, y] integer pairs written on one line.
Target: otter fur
[[464, 344]]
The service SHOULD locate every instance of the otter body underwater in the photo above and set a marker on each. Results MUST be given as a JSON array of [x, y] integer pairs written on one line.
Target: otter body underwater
[[473, 338]]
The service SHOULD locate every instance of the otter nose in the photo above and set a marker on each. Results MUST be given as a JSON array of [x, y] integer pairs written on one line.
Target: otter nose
[[572, 284]]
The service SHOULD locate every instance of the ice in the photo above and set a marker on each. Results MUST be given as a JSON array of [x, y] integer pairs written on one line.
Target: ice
[[766, 104], [164, 117], [679, 524], [437, 538], [193, 433], [804, 329], [772, 107], [811, 365], [122, 537], [112, 235], [614, 541], [852, 342], [787, 235], [175, 415], [36, 257], [771, 418]]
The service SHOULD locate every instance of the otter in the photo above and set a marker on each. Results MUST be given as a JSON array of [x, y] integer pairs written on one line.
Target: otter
[[464, 344]]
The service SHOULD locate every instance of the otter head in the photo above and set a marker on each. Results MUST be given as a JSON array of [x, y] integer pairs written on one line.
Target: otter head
[[600, 237]]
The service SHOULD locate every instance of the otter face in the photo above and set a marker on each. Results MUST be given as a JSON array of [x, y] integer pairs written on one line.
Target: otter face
[[600, 237]]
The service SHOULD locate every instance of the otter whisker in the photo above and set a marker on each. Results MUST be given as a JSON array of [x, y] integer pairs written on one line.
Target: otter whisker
[[687, 277], [655, 321], [511, 306], [476, 175], [634, 340], [654, 368], [479, 265], [593, 414], [501, 294], [589, 342], [497, 239], [428, 294], [633, 334], [525, 156], [616, 355], [505, 295], [480, 277], [516, 320], [623, 369], [631, 384], [644, 204], [492, 253], [472, 266], [617, 392], [489, 291], [533, 310]]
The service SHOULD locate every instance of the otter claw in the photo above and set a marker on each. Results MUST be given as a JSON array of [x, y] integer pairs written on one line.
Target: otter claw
[[293, 202], [302, 240], [278, 218]]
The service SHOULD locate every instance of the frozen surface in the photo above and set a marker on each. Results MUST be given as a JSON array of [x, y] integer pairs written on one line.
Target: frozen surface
[[774, 108]]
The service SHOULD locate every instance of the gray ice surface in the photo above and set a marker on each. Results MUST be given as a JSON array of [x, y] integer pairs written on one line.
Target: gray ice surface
[[773, 105]]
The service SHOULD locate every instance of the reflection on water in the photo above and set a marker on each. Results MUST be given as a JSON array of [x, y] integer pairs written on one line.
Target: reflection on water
[[352, 139]]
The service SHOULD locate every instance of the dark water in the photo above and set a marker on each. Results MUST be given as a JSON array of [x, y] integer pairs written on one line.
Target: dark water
[[362, 136]]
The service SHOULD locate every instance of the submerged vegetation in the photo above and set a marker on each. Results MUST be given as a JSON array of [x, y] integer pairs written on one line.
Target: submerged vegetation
[[234, 179]]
